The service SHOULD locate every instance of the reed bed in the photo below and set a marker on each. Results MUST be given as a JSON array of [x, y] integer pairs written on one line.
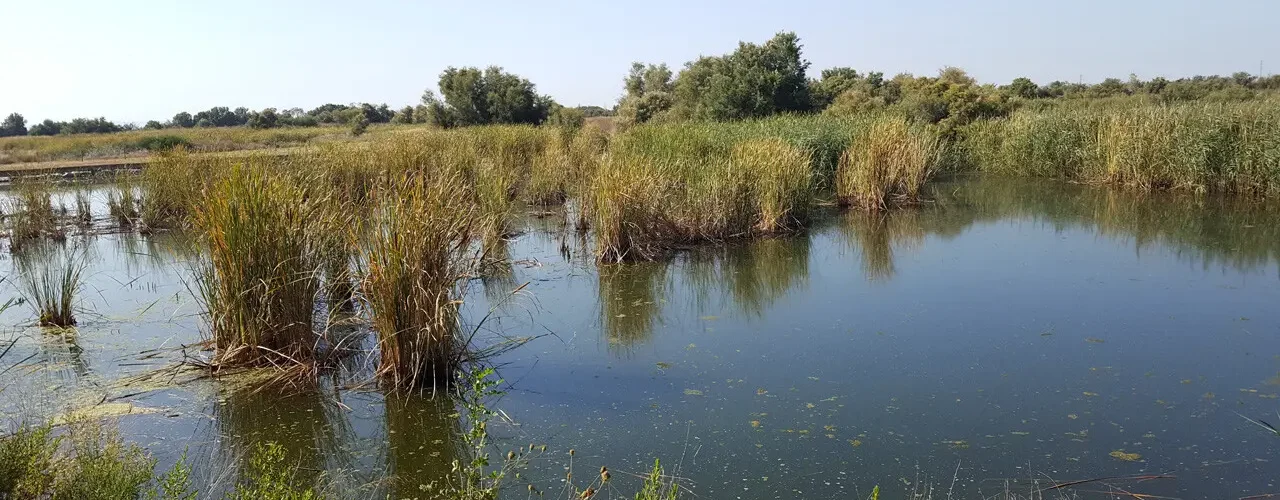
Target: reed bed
[[89, 146], [260, 281], [415, 252], [663, 186], [886, 163], [1232, 147]]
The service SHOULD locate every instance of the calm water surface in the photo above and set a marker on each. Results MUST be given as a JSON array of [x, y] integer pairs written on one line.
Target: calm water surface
[[1006, 335]]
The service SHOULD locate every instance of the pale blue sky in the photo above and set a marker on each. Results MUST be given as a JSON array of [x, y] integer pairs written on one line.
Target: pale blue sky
[[134, 60]]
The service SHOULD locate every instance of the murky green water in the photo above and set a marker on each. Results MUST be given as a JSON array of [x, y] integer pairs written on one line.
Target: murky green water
[[1008, 333]]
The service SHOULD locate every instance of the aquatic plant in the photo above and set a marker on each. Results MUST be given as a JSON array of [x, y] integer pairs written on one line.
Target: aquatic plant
[[270, 477], [1230, 147], [26, 455], [415, 253], [886, 163], [31, 215], [51, 277], [260, 280]]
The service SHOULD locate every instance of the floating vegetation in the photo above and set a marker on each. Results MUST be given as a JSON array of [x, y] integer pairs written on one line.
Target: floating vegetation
[[1126, 457]]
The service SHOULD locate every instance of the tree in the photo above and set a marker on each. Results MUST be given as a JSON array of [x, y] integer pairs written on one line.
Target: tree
[[267, 118], [183, 120], [834, 82], [649, 93], [13, 125], [47, 127], [1023, 87], [405, 115], [571, 118], [98, 125], [753, 81], [153, 125], [474, 97]]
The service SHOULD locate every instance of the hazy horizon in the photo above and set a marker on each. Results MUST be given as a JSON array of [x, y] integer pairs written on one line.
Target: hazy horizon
[[132, 61]]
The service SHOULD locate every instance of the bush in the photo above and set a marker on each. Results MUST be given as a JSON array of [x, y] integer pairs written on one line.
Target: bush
[[162, 143]]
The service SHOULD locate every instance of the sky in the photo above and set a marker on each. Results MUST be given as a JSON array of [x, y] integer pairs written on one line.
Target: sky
[[134, 60]]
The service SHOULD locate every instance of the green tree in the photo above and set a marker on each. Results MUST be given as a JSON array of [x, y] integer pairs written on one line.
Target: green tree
[[267, 118], [474, 97], [753, 81], [1023, 87], [153, 125], [47, 127], [183, 120], [649, 93], [405, 115], [13, 125], [834, 82], [571, 118]]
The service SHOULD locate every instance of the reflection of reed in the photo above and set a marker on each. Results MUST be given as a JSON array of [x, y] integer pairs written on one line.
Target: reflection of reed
[[631, 301], [876, 235], [754, 274], [497, 272], [1231, 231], [312, 429], [422, 442], [154, 252]]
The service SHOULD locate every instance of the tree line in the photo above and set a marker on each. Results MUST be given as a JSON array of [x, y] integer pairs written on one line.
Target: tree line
[[753, 81]]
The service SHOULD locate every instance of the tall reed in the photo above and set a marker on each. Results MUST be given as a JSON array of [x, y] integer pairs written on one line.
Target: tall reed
[[1232, 147], [31, 215], [172, 184], [260, 280], [51, 277], [421, 229], [887, 162]]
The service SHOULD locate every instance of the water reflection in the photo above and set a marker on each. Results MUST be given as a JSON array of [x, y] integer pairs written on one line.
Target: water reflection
[[423, 439], [1240, 233], [752, 275], [309, 423], [876, 236], [631, 302]]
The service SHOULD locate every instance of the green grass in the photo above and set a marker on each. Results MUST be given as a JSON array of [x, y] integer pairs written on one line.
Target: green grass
[[30, 214]]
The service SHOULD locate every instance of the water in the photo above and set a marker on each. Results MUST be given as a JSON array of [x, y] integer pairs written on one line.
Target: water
[[1009, 335]]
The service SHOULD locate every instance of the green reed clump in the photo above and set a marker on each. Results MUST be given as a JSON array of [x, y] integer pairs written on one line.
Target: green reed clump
[[51, 277], [1230, 147], [123, 203], [31, 214], [420, 230], [660, 186], [260, 280], [270, 477], [781, 182], [172, 185], [887, 162], [84, 209], [550, 174]]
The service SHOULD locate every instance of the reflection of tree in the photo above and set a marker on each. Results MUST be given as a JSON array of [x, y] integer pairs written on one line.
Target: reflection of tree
[[875, 235], [422, 443], [307, 423], [631, 301]]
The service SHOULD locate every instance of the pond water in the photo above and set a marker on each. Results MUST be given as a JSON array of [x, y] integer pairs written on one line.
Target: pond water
[[1007, 336]]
